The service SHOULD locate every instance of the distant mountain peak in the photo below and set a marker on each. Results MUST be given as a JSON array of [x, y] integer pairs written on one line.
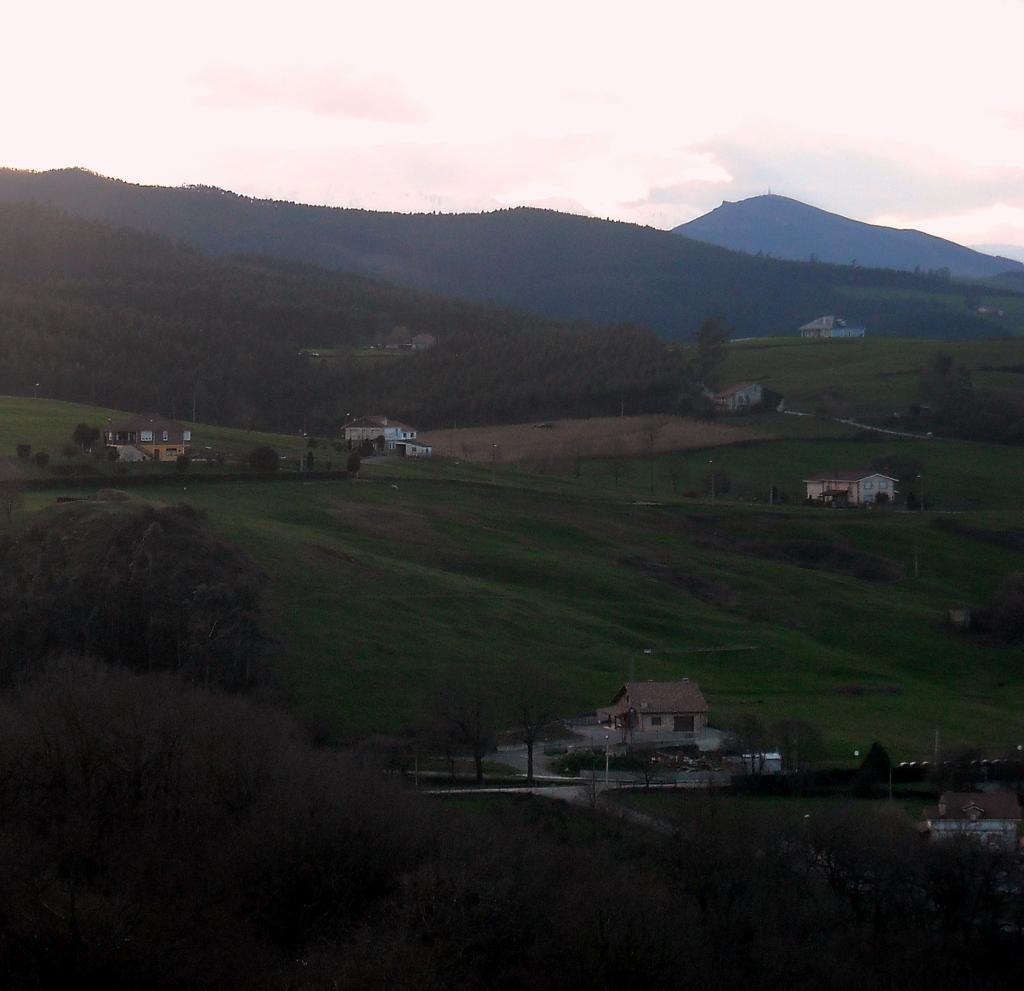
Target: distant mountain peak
[[779, 226]]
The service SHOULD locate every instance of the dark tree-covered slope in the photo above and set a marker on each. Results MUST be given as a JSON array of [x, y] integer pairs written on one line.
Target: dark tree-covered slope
[[563, 266], [787, 228], [131, 320]]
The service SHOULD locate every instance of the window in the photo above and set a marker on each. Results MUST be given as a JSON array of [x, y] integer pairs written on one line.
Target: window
[[165, 435], [869, 485], [147, 436], [655, 720], [187, 435], [883, 484]]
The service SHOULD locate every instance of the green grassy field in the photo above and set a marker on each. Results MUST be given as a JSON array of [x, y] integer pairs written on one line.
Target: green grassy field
[[47, 425], [957, 475], [379, 586], [868, 377]]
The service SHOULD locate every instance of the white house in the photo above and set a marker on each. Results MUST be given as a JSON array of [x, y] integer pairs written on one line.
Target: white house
[[850, 488], [412, 449], [385, 434], [737, 398], [830, 327], [993, 818]]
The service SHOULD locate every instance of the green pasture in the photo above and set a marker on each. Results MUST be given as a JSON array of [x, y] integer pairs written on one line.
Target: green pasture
[[957, 475], [381, 588], [867, 377], [47, 424]]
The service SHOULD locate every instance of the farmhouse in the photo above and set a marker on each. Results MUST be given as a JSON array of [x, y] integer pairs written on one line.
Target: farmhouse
[[147, 437], [830, 327], [850, 487], [384, 434], [657, 711], [740, 397], [993, 818]]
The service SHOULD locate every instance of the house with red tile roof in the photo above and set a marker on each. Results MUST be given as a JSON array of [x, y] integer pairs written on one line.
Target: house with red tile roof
[[148, 437], [385, 435], [657, 710], [850, 487], [992, 817]]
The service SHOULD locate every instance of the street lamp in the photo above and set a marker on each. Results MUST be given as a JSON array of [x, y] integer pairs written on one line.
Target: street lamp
[[922, 492], [606, 759], [712, 463], [35, 391]]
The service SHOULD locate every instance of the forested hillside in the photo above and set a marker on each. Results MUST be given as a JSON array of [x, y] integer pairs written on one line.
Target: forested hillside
[[125, 319], [556, 264]]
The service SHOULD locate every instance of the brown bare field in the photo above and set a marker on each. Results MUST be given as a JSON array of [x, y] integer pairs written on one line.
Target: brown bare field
[[605, 437]]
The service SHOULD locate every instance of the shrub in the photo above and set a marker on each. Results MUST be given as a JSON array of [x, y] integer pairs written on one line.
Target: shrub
[[354, 463], [182, 462], [41, 458], [264, 458], [24, 451]]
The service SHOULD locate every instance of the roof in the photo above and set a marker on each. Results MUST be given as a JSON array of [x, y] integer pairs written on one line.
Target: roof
[[993, 804], [147, 421], [377, 421], [739, 387], [824, 323], [661, 696], [847, 475]]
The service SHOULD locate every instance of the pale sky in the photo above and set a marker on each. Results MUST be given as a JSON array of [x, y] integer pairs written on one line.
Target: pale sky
[[900, 112]]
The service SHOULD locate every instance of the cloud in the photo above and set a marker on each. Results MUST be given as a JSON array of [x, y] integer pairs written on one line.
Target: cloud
[[849, 178], [328, 92]]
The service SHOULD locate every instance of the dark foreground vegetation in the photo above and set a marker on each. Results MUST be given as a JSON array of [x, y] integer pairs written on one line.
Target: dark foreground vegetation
[[160, 836], [159, 832], [140, 585]]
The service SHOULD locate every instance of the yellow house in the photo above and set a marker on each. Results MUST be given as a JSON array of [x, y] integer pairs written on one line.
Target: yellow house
[[148, 437]]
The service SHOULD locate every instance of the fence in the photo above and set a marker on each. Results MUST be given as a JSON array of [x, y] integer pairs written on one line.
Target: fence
[[679, 779]]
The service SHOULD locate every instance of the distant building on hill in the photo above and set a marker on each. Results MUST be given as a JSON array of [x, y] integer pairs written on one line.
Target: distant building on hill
[[844, 487], [147, 437], [830, 327], [740, 397], [385, 435]]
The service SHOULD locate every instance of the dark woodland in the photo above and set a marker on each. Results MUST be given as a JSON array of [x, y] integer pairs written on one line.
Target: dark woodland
[[132, 321]]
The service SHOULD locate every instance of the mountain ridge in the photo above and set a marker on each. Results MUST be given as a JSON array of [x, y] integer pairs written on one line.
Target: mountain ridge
[[783, 227], [560, 266]]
